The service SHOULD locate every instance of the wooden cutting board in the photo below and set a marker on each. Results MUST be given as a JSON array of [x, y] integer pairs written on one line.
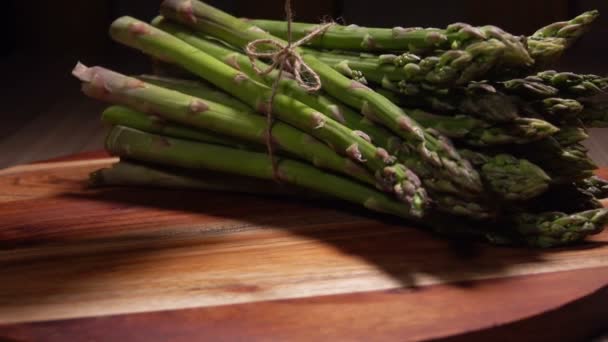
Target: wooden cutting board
[[157, 265]]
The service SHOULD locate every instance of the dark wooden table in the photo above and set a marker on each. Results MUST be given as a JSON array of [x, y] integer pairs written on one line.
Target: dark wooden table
[[80, 264]]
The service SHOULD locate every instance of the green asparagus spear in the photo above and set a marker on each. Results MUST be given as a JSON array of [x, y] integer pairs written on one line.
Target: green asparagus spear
[[129, 173], [109, 86], [145, 147], [548, 44], [450, 68], [488, 105], [501, 173], [197, 89], [210, 21], [486, 102], [123, 116], [414, 40], [510, 177], [476, 132], [391, 177], [563, 163], [551, 83], [558, 229]]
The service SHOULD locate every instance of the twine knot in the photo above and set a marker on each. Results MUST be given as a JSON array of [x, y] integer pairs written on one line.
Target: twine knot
[[285, 57]]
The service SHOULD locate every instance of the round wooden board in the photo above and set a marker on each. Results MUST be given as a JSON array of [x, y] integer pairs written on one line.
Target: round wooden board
[[157, 265]]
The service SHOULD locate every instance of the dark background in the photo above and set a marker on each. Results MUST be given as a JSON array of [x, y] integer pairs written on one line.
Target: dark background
[[44, 115]]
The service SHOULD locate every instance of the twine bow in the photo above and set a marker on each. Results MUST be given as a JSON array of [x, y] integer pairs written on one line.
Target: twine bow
[[284, 58]]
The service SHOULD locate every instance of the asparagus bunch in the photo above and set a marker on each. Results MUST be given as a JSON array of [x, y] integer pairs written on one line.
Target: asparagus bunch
[[435, 150], [110, 86], [423, 124], [510, 179]]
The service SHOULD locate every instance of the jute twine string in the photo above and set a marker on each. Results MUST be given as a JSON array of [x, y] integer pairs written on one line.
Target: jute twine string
[[284, 58]]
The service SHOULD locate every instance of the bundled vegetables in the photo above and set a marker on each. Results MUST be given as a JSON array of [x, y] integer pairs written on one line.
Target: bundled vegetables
[[458, 125]]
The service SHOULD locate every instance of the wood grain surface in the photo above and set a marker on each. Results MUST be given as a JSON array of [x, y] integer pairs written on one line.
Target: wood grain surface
[[156, 265]]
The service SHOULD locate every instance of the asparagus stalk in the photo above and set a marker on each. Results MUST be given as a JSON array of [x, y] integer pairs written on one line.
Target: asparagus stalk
[[129, 173], [109, 86], [484, 101], [551, 83], [435, 150], [130, 143], [510, 177], [123, 116], [450, 68], [391, 177], [563, 163], [197, 89], [551, 229], [558, 229], [414, 40], [515, 179], [476, 132], [548, 44], [487, 105]]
